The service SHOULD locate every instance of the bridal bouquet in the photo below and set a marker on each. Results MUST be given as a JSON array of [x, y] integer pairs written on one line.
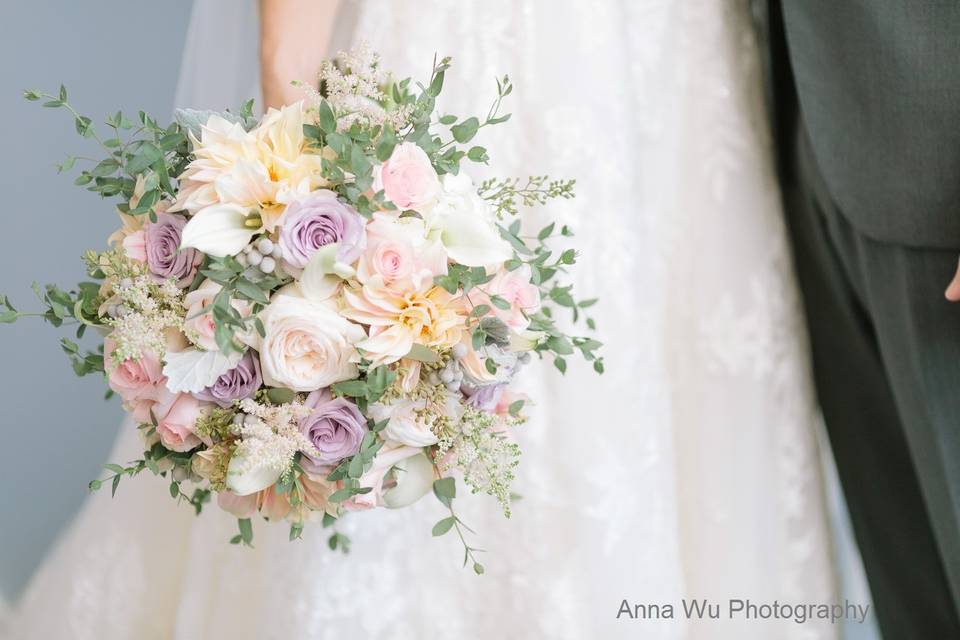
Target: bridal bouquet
[[317, 311]]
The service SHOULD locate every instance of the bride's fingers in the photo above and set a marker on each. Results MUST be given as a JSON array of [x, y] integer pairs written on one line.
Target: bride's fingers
[[953, 289]]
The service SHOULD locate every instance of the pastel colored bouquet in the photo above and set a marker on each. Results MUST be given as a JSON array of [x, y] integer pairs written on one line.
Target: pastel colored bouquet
[[318, 311]]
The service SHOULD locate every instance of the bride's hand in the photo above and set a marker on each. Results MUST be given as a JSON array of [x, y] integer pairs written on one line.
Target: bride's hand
[[294, 39], [953, 289]]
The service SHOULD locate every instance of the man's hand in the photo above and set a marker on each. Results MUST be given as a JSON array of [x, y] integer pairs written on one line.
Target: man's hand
[[953, 289]]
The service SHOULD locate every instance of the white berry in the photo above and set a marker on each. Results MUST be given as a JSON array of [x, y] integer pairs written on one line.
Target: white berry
[[267, 265], [254, 257], [265, 246]]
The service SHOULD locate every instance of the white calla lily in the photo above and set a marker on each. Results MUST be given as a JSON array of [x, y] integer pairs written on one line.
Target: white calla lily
[[323, 274], [244, 479], [472, 240], [526, 340], [218, 230], [463, 223], [414, 478]]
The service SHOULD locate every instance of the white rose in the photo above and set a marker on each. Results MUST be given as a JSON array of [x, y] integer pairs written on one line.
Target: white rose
[[405, 425], [463, 222], [411, 421], [308, 345]]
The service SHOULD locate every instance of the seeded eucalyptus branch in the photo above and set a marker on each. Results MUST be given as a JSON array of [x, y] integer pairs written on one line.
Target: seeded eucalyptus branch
[[505, 194]]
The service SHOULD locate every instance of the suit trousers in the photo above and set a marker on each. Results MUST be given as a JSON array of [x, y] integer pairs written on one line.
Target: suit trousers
[[886, 357]]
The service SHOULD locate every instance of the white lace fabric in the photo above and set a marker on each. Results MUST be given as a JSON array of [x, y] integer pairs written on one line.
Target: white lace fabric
[[689, 469]]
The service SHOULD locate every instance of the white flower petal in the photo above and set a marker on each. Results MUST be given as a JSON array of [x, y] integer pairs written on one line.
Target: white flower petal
[[319, 281], [472, 241], [218, 230], [414, 480], [248, 481]]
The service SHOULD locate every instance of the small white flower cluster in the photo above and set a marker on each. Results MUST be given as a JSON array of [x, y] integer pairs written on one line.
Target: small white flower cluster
[[141, 312], [478, 446], [354, 87], [270, 435]]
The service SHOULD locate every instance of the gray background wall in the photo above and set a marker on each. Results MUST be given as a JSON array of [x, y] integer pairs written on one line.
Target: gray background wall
[[56, 429]]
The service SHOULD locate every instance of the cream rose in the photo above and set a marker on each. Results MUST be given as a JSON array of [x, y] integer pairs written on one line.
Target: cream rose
[[307, 345], [412, 421]]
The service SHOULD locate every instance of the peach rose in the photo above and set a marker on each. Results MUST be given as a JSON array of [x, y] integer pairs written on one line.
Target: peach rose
[[140, 383], [176, 416], [135, 246]]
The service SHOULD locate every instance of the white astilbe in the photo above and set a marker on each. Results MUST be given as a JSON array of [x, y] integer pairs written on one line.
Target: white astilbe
[[478, 446], [353, 85], [270, 436], [142, 311]]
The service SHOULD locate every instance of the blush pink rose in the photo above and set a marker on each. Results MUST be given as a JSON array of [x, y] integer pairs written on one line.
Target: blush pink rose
[[524, 297], [399, 254], [139, 383], [199, 324], [135, 246], [407, 178], [176, 416]]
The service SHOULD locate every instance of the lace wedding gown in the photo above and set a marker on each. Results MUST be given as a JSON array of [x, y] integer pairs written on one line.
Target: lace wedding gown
[[689, 469]]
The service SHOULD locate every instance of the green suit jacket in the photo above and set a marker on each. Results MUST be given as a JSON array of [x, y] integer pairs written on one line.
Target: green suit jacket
[[878, 85]]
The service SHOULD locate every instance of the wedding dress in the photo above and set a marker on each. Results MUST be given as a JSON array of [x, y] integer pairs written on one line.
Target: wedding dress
[[688, 470]]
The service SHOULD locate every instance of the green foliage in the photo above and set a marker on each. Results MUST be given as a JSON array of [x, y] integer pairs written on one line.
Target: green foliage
[[445, 489], [245, 536], [368, 388], [133, 149], [508, 194]]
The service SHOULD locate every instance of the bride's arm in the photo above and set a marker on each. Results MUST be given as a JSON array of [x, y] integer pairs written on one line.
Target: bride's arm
[[294, 38]]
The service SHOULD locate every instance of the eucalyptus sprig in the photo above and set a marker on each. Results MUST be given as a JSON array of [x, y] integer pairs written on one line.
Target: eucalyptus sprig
[[507, 194], [445, 489], [136, 151]]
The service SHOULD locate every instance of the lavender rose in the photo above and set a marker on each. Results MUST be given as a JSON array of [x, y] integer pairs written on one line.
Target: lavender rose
[[335, 427], [240, 382], [318, 220], [164, 257]]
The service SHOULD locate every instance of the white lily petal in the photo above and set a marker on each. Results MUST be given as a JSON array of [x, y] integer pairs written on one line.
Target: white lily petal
[[193, 370], [472, 241], [258, 478], [344, 270], [218, 230], [526, 340], [319, 281], [414, 480]]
